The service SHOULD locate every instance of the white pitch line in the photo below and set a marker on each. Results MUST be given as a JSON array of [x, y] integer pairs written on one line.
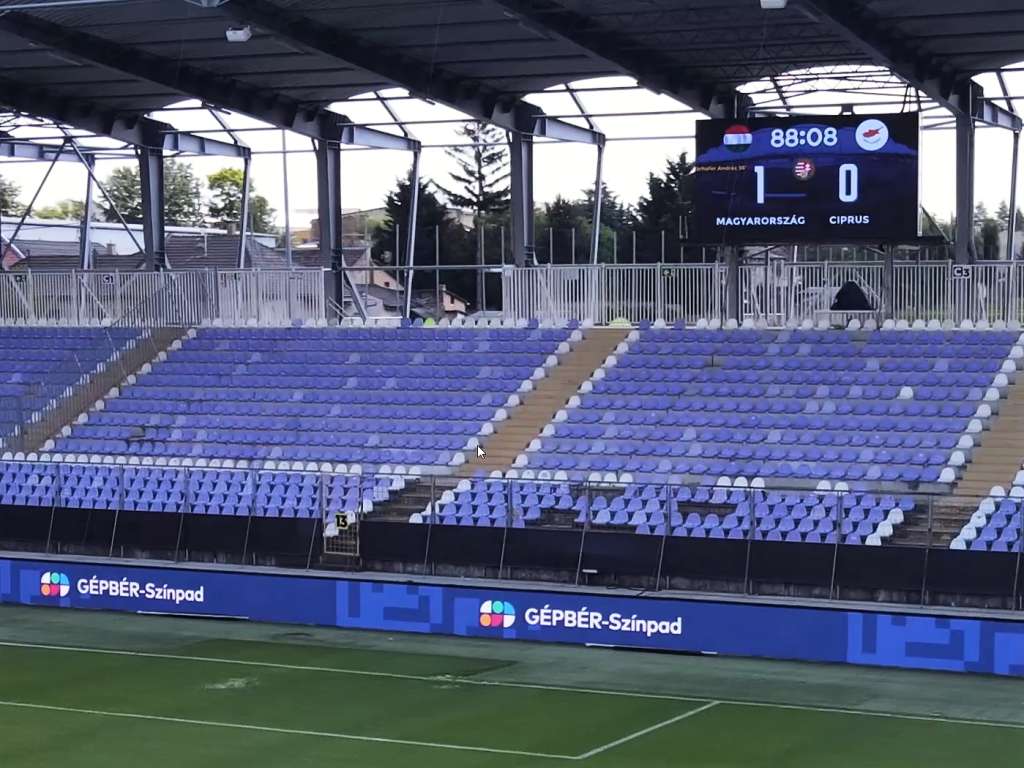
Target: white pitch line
[[510, 684], [647, 730], [286, 731]]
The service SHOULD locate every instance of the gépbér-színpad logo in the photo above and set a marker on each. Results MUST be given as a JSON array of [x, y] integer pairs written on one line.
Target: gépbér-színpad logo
[[584, 618], [497, 614], [96, 586], [54, 584]]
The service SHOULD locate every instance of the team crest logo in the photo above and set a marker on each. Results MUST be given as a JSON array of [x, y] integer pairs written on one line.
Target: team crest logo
[[804, 169], [738, 138], [872, 135]]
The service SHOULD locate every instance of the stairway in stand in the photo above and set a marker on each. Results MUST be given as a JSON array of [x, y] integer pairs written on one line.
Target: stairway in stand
[[538, 407], [994, 462]]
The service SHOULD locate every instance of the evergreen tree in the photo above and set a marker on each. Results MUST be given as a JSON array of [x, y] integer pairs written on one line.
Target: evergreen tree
[[226, 202], [483, 183], [558, 219], [1003, 215], [986, 233], [554, 237], [9, 192], [389, 237], [614, 214], [669, 198], [482, 177]]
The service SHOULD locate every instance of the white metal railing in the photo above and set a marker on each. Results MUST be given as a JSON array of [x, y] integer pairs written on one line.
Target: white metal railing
[[608, 293], [775, 293], [168, 298]]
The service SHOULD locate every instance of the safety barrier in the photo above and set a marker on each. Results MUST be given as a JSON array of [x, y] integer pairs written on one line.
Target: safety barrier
[[607, 293], [923, 639], [774, 293], [168, 298]]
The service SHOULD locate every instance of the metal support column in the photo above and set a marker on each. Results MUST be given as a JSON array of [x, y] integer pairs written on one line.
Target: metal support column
[[521, 151], [85, 236], [965, 253], [328, 185], [733, 311], [243, 213], [410, 228], [888, 282], [287, 215], [151, 173], [1011, 225], [595, 233]]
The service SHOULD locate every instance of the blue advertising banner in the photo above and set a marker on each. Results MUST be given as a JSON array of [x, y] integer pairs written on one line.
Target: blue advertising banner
[[737, 629]]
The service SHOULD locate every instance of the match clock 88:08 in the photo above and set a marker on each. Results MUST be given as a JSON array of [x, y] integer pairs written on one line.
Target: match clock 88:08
[[814, 136], [812, 178]]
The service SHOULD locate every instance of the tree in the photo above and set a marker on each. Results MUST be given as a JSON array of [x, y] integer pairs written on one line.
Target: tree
[[9, 192], [483, 171], [987, 230], [482, 176], [669, 199], [183, 202], [183, 205], [125, 195], [65, 209], [389, 238], [558, 220], [226, 201], [1003, 215], [664, 213], [615, 218]]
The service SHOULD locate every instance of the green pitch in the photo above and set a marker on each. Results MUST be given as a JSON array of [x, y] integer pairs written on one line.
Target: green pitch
[[98, 690]]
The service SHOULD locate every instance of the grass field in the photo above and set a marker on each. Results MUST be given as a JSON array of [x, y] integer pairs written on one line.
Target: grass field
[[97, 690]]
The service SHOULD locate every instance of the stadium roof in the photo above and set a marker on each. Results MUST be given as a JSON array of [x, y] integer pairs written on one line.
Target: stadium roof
[[104, 60]]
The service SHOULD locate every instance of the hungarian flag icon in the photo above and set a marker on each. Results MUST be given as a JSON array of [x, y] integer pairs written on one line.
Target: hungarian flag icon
[[737, 138]]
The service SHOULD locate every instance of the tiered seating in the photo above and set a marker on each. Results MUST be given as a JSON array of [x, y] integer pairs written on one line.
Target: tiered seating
[[998, 523], [28, 484], [38, 364], [659, 510], [497, 503], [882, 407], [198, 491], [388, 396]]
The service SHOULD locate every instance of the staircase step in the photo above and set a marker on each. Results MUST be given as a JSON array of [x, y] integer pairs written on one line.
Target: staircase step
[[127, 362], [550, 394], [994, 462]]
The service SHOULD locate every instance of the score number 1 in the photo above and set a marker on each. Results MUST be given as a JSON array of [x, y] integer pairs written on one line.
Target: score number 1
[[849, 183]]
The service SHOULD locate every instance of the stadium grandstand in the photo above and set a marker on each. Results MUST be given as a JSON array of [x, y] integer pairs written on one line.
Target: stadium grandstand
[[776, 414]]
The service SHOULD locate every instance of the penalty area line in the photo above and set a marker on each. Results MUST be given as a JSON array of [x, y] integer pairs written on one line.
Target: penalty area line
[[512, 684], [285, 731], [649, 729]]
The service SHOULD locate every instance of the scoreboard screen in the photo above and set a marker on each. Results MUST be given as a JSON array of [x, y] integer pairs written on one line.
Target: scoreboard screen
[[812, 178]]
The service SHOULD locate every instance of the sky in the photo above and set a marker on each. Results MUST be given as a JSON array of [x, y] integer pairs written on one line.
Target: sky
[[633, 151]]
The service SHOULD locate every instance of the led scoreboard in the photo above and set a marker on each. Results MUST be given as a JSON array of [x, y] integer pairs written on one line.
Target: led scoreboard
[[814, 178]]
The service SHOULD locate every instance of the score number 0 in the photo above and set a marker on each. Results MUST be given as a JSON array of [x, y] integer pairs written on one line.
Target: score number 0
[[849, 183]]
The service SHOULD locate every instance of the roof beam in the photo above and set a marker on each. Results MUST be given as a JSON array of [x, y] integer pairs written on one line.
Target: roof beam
[[472, 97], [11, 147], [650, 69], [135, 130], [952, 89], [225, 92], [986, 111]]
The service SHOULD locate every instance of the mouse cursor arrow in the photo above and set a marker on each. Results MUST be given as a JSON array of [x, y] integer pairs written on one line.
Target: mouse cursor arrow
[[480, 452]]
